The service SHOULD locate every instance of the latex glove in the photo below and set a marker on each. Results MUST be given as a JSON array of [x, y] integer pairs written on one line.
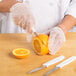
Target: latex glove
[[22, 16], [56, 40]]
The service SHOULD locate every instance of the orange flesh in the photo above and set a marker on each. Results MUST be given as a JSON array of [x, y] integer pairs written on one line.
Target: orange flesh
[[37, 46], [20, 52]]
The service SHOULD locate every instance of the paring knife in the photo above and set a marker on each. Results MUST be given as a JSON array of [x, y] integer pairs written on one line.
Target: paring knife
[[36, 34], [47, 64], [62, 64]]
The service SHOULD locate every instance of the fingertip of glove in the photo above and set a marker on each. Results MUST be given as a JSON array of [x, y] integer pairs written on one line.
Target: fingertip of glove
[[51, 52]]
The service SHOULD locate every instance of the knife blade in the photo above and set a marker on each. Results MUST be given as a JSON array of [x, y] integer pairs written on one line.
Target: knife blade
[[62, 64], [34, 31], [34, 70], [49, 72]]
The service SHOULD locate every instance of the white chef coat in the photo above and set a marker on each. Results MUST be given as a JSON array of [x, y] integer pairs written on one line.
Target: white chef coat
[[47, 14]]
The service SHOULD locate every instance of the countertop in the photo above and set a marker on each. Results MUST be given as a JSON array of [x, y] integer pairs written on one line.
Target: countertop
[[11, 66]]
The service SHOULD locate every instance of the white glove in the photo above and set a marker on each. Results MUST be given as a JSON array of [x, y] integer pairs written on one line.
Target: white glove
[[22, 15], [56, 40]]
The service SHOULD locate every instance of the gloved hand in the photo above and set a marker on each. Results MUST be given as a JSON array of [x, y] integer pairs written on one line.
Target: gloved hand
[[22, 16], [56, 40]]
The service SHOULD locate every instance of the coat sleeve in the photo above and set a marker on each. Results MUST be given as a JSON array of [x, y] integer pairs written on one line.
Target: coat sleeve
[[71, 9], [1, 16]]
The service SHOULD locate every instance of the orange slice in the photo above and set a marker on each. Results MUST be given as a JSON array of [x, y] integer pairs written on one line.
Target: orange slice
[[40, 48], [21, 53]]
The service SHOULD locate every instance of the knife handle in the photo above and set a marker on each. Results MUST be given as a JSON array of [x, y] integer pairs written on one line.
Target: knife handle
[[53, 61], [69, 60]]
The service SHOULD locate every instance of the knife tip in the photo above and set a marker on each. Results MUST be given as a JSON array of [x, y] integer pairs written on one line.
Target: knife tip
[[45, 75], [28, 72]]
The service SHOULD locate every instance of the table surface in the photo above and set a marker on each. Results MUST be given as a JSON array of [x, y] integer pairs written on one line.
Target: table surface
[[11, 66]]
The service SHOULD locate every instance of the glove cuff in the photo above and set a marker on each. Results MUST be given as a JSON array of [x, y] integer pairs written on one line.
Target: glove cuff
[[63, 28]]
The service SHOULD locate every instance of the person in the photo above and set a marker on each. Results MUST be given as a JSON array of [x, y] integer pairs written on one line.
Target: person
[[53, 17]]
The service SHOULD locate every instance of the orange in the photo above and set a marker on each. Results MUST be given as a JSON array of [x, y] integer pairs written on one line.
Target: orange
[[21, 53], [39, 47]]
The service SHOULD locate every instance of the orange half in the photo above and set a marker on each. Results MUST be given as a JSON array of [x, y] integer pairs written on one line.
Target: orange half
[[21, 53]]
